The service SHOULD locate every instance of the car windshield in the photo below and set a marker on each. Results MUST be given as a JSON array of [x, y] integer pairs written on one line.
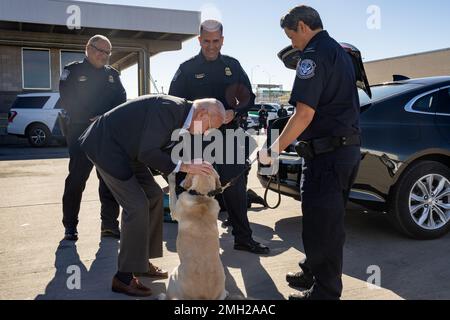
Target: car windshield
[[383, 91]]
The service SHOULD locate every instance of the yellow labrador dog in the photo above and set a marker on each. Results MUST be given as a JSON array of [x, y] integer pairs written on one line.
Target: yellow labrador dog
[[200, 275]]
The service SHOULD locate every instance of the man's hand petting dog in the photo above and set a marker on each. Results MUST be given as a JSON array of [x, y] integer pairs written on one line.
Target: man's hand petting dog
[[203, 168]]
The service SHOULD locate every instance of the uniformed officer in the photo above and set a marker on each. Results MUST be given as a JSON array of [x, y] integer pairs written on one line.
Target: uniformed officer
[[327, 120], [211, 74], [282, 112], [262, 116], [88, 89]]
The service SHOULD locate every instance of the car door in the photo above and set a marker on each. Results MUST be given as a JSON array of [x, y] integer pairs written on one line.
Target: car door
[[290, 57]]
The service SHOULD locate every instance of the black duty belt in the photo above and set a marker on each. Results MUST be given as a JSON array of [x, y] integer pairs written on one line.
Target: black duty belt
[[312, 148]]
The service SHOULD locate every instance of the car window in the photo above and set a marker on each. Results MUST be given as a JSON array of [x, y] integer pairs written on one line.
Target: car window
[[383, 91], [427, 103], [444, 101], [30, 102]]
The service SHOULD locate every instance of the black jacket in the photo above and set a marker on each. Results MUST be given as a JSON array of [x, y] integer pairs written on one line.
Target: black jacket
[[136, 131], [87, 92]]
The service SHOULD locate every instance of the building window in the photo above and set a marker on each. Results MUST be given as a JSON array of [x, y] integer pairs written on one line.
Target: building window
[[36, 73], [67, 57]]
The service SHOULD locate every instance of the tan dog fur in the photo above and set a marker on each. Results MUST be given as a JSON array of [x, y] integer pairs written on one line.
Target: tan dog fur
[[200, 275]]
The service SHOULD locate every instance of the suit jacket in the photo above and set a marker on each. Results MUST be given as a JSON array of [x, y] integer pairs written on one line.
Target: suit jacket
[[137, 131]]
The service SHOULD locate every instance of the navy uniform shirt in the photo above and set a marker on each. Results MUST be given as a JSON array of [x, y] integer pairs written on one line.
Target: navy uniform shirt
[[87, 92], [222, 79], [326, 82]]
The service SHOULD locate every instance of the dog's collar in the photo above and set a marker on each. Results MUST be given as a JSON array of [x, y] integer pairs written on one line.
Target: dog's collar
[[211, 194]]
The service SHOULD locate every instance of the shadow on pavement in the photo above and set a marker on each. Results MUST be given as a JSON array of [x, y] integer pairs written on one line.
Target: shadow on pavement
[[23, 152], [95, 283], [412, 269], [258, 283]]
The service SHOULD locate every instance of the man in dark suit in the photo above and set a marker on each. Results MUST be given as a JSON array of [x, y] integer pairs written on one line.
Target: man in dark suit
[[124, 144]]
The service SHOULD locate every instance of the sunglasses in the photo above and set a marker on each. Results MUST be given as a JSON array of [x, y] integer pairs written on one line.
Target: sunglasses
[[108, 53]]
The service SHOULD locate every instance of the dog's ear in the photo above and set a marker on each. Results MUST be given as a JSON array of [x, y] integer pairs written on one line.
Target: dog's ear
[[188, 181]]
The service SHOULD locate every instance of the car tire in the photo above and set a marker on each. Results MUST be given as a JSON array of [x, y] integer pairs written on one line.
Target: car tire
[[38, 135], [415, 209]]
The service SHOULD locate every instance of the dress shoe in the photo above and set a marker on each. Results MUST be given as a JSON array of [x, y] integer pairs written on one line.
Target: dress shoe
[[110, 233], [153, 272], [252, 246], [300, 280], [71, 235], [301, 295], [135, 288]]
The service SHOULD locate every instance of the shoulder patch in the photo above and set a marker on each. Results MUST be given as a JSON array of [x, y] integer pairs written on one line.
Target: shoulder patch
[[306, 69], [65, 74], [114, 70]]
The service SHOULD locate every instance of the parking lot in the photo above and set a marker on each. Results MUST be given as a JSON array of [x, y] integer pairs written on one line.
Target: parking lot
[[34, 261]]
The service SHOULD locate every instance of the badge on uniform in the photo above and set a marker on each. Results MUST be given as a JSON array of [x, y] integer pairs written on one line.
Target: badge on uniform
[[199, 76], [111, 79], [65, 75], [82, 79], [306, 69], [228, 72]]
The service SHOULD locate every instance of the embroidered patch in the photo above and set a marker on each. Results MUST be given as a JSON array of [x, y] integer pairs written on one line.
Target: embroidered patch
[[65, 75], [82, 79], [177, 74], [111, 79], [228, 72], [199, 76], [306, 69]]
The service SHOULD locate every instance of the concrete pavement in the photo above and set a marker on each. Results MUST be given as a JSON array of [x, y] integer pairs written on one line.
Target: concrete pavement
[[34, 261]]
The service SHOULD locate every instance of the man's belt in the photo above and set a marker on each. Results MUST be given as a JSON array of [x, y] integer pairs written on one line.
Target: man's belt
[[315, 147]]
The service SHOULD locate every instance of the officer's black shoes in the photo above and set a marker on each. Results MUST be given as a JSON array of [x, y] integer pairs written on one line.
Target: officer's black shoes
[[71, 235], [301, 295], [253, 247], [110, 233], [299, 280]]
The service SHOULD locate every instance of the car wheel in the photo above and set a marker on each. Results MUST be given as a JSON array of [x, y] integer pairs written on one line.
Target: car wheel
[[38, 135], [420, 202]]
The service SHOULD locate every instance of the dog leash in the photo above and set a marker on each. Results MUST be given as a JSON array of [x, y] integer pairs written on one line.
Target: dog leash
[[214, 193]]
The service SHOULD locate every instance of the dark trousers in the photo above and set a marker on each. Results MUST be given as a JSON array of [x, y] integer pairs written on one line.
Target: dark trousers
[[142, 218], [325, 187], [79, 170], [235, 200]]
